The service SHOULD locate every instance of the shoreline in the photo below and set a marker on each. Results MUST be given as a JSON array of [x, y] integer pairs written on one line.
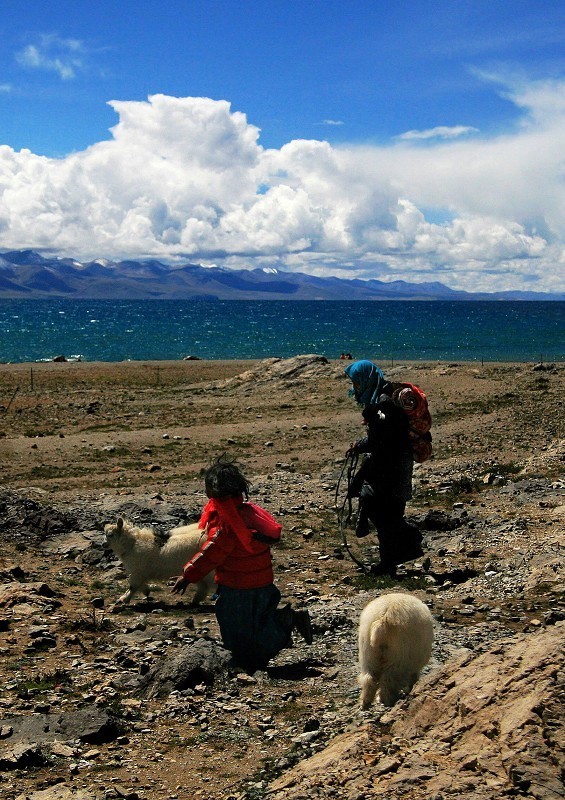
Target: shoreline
[[155, 362]]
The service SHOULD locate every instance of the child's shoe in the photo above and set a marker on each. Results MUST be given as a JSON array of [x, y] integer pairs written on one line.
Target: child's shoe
[[303, 624], [286, 617]]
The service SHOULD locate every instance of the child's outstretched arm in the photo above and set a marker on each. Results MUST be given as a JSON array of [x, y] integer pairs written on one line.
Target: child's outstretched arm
[[212, 553]]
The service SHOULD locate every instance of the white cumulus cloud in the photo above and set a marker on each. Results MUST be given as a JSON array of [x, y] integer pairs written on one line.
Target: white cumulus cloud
[[186, 177]]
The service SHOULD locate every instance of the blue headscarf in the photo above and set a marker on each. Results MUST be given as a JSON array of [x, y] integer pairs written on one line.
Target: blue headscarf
[[368, 381]]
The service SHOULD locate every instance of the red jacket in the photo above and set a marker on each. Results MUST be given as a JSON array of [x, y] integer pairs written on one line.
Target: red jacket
[[240, 560]]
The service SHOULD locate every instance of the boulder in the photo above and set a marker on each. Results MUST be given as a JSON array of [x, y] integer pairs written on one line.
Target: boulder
[[88, 724], [203, 661]]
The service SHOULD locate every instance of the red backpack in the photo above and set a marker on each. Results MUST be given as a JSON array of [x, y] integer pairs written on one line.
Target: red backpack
[[414, 403]]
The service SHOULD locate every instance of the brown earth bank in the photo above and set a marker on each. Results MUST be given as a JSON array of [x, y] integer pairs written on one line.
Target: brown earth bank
[[101, 700]]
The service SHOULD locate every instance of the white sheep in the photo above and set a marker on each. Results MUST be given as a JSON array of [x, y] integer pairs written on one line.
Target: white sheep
[[144, 560], [395, 643]]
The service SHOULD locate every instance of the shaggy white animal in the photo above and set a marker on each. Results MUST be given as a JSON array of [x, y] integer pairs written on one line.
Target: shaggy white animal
[[145, 561], [395, 642]]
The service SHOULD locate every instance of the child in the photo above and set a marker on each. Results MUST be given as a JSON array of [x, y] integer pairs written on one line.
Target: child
[[239, 537], [383, 483]]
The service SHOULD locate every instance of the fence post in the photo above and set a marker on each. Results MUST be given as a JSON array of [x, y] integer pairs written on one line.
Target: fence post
[[16, 390]]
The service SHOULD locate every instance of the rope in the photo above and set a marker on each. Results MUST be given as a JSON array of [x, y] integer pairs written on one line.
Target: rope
[[350, 464]]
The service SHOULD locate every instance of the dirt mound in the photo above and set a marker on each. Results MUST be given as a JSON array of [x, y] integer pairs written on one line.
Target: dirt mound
[[285, 371]]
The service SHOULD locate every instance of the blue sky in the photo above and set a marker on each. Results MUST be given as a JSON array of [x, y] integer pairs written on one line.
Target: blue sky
[[416, 140]]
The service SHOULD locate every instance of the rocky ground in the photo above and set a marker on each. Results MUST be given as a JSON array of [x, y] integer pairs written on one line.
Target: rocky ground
[[103, 701]]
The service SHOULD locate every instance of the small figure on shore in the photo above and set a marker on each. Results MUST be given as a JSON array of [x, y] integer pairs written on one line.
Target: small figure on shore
[[239, 535], [383, 482]]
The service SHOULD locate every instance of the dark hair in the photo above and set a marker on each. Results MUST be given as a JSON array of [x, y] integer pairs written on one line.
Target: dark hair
[[224, 479]]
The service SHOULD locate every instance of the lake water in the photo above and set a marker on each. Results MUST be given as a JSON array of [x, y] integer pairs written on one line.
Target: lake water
[[108, 330]]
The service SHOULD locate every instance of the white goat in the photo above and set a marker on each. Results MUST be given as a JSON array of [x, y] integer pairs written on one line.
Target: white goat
[[145, 561], [395, 643]]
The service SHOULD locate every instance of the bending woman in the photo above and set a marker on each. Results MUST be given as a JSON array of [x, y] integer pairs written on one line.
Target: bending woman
[[383, 483]]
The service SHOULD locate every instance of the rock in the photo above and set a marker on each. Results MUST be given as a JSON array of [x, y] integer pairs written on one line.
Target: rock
[[37, 593], [59, 792], [41, 643], [546, 569], [201, 662], [62, 750], [88, 724], [15, 573], [21, 756], [74, 544], [436, 520]]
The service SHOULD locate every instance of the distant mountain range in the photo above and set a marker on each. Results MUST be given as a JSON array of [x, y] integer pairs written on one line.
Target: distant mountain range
[[26, 274]]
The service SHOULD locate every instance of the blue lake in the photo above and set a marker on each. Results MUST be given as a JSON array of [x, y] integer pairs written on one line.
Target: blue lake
[[107, 330]]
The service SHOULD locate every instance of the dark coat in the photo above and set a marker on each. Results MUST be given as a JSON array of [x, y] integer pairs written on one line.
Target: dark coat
[[388, 470]]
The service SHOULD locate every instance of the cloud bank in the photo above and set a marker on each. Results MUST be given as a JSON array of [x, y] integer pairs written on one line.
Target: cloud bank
[[187, 178]]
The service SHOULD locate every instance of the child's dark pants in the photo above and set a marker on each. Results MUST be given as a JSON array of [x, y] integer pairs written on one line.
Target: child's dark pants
[[251, 625]]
